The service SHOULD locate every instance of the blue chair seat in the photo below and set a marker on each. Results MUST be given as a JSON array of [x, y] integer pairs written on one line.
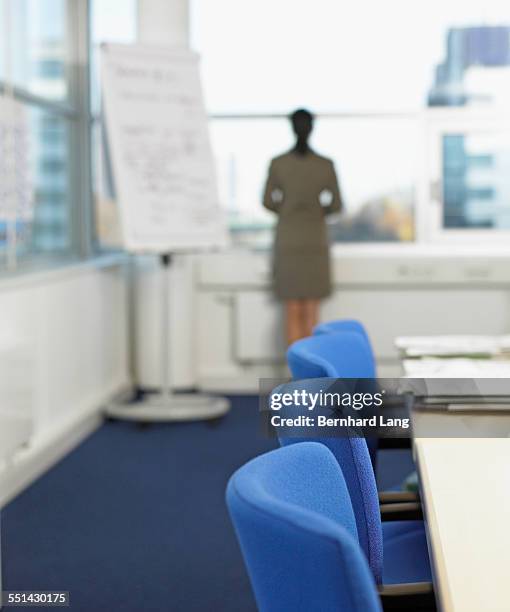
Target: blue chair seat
[[406, 556]]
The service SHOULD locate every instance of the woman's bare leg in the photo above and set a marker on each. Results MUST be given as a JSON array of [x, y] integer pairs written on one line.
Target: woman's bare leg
[[294, 320], [310, 316]]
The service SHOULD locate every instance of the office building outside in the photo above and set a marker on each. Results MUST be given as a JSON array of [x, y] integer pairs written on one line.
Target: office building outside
[[475, 71]]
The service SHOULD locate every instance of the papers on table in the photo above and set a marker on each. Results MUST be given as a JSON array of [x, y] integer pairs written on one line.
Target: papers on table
[[481, 407], [454, 346], [461, 373], [456, 368]]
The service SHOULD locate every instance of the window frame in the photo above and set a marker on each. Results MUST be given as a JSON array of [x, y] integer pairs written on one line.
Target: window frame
[[432, 124], [420, 203], [437, 124], [75, 110]]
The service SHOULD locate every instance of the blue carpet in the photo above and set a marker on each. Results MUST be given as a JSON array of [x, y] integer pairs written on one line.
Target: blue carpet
[[393, 467], [135, 519]]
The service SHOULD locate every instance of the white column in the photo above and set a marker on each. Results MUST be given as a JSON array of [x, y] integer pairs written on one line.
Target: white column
[[163, 22]]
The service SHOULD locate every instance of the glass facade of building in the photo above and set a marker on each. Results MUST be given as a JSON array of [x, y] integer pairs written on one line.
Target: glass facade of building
[[476, 183]]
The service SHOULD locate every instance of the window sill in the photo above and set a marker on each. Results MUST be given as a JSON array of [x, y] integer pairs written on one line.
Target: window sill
[[49, 269], [400, 250], [421, 250]]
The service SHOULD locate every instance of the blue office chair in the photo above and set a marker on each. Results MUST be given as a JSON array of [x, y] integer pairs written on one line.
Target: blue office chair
[[345, 325], [332, 355], [295, 525], [403, 541], [346, 354], [340, 326]]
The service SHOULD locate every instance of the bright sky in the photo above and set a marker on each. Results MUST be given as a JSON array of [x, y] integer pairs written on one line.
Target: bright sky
[[274, 55]]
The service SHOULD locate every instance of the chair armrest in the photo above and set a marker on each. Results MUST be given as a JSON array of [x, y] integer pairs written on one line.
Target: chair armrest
[[406, 588], [415, 596], [396, 497], [409, 511]]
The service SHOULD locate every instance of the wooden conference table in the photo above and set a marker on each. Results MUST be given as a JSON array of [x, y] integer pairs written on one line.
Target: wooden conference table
[[465, 490]]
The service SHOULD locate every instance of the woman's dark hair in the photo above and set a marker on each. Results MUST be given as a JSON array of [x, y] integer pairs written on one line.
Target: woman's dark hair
[[301, 115]]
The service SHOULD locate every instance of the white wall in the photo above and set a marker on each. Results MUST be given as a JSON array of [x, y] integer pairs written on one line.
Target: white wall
[[67, 333], [236, 327], [163, 22]]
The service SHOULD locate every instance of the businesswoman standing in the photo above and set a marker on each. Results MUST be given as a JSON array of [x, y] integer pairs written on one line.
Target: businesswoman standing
[[301, 189]]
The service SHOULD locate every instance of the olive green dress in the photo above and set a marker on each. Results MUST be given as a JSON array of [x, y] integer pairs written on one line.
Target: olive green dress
[[295, 187]]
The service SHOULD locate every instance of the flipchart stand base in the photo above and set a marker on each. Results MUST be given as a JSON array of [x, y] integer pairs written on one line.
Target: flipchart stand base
[[163, 408], [167, 406]]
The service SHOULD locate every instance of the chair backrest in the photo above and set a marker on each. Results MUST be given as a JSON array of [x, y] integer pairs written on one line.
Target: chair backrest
[[353, 457], [345, 325], [342, 355], [345, 355], [293, 518]]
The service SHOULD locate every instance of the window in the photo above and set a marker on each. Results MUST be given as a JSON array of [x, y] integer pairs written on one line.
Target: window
[[50, 170], [42, 39], [470, 165], [372, 74], [40, 46], [378, 207], [51, 69], [39, 69]]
